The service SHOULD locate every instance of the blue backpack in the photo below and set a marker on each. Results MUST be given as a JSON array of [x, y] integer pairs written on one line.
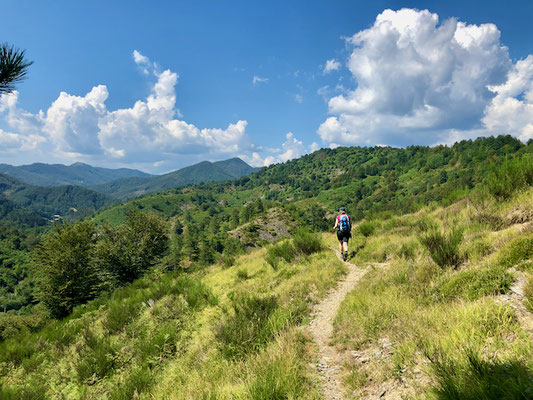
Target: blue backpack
[[344, 223]]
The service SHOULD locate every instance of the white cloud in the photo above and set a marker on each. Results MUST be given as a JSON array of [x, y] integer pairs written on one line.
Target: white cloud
[[257, 79], [151, 131], [511, 110], [416, 80], [298, 98], [332, 65], [290, 149]]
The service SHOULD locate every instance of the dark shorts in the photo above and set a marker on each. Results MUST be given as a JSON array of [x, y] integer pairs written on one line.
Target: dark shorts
[[343, 236]]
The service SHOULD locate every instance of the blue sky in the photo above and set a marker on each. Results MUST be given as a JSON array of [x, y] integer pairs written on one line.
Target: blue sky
[[161, 85]]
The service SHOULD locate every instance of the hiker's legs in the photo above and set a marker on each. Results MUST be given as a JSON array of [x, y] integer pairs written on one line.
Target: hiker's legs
[[345, 246], [340, 245]]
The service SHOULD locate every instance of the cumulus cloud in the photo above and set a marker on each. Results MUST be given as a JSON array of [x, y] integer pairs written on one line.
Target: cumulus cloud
[[290, 149], [257, 79], [417, 80], [151, 131], [331, 65], [298, 98]]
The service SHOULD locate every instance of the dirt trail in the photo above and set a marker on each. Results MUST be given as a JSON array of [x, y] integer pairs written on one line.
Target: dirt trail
[[321, 328]]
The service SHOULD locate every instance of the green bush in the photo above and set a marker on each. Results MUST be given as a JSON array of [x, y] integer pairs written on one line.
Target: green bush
[[227, 260], [96, 359], [283, 250], [366, 228], [408, 250], [246, 328], [443, 247], [306, 242], [517, 250], [472, 284], [509, 177], [11, 324], [33, 390], [139, 381]]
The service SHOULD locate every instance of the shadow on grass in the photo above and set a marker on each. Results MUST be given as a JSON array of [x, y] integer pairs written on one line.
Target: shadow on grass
[[478, 379]]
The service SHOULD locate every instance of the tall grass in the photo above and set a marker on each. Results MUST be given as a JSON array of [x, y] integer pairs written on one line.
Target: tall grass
[[509, 177], [246, 327]]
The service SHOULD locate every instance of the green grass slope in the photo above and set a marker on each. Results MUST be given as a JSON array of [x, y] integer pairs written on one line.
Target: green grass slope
[[58, 174], [222, 332]]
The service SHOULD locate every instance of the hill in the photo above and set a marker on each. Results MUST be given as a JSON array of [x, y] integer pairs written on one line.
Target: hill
[[50, 201], [202, 172], [58, 174], [443, 238]]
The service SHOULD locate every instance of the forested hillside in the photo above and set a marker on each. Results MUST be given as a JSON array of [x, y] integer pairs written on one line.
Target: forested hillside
[[49, 201], [79, 174], [201, 172], [205, 291]]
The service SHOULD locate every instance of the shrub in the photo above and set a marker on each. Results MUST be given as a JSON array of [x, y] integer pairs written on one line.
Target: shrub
[[242, 275], [517, 250], [96, 359], [227, 260], [11, 325], [366, 228], [247, 328], [510, 177], [139, 381], [408, 250], [283, 250], [443, 247], [306, 242], [472, 284]]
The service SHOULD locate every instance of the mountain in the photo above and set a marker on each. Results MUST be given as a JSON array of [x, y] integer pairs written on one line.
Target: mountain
[[431, 304], [50, 201], [204, 171], [76, 174]]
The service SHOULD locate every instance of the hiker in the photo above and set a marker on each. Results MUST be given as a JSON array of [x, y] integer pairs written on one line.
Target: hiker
[[343, 224]]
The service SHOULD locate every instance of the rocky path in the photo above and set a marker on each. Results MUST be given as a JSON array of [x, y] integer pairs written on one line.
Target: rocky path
[[321, 328]]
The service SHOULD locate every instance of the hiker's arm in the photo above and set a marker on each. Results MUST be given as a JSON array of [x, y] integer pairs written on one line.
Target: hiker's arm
[[336, 223]]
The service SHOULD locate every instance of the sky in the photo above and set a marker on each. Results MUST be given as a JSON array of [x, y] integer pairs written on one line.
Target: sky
[[160, 85]]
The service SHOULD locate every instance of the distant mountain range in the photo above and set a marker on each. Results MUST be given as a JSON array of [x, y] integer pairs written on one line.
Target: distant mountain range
[[80, 188], [78, 174], [202, 172]]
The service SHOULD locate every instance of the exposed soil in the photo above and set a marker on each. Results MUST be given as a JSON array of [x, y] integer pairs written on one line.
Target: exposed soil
[[330, 360]]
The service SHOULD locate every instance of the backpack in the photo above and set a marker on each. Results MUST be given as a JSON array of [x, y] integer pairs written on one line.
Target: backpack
[[344, 223]]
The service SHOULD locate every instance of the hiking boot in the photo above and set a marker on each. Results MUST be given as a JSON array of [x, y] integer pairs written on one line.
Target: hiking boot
[[344, 256]]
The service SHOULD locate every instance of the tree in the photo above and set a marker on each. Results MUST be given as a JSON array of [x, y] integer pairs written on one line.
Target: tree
[[125, 252], [64, 268], [13, 67]]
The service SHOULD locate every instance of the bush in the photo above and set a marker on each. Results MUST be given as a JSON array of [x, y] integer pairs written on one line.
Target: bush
[[11, 324], [247, 328], [283, 250], [227, 260], [510, 177], [96, 359], [307, 243], [517, 250], [139, 381], [443, 248], [472, 284], [366, 228]]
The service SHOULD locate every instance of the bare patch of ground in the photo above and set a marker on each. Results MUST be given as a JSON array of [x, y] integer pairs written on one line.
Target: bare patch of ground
[[515, 298], [330, 360], [274, 225]]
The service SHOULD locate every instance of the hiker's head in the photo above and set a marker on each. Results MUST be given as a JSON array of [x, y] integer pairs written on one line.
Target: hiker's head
[[342, 210]]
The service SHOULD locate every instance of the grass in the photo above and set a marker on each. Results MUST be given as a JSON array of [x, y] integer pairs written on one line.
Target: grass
[[442, 322], [225, 332]]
